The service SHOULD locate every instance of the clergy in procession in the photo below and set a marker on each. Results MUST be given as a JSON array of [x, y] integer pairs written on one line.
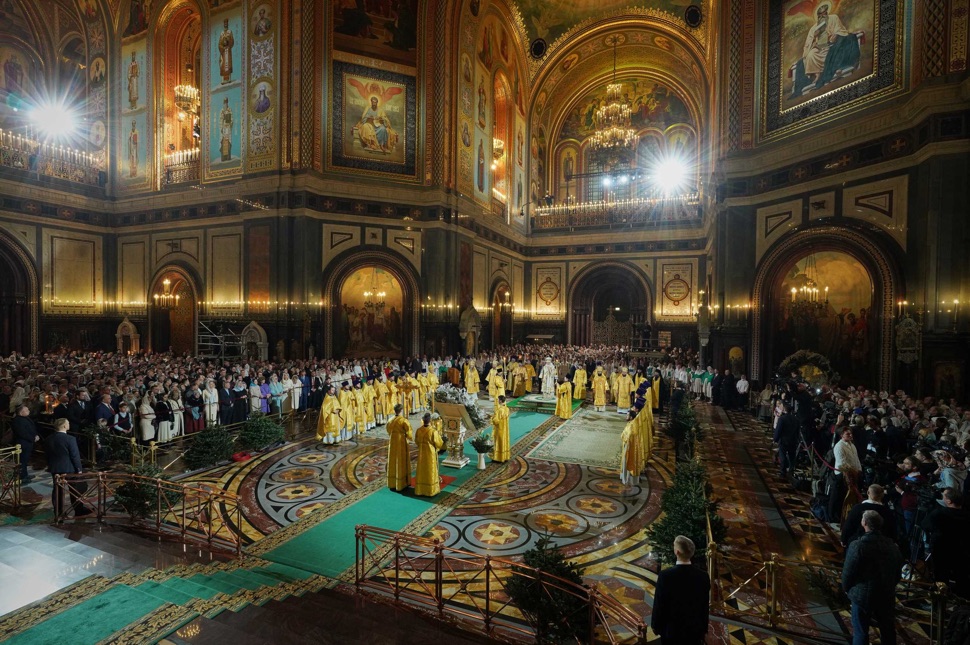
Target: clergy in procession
[[496, 385], [521, 381], [427, 483], [381, 396], [345, 401], [601, 388], [370, 399], [490, 376], [424, 386], [530, 374], [655, 386], [472, 380], [328, 423], [399, 451], [501, 452], [579, 383], [564, 399], [360, 408], [622, 391], [631, 452]]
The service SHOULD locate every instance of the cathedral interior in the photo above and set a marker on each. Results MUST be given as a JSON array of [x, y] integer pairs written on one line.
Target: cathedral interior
[[371, 178]]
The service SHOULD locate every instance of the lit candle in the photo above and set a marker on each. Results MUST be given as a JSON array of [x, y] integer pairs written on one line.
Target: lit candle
[[793, 292]]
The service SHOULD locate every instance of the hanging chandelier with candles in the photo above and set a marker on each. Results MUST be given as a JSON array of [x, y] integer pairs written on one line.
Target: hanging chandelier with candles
[[374, 297], [166, 299], [811, 297], [615, 141], [187, 100]]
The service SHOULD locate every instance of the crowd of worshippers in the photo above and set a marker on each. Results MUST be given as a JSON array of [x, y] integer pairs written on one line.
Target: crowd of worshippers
[[903, 457]]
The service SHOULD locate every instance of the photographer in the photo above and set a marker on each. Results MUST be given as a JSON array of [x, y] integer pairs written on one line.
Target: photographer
[[947, 528], [908, 486], [852, 528], [786, 436]]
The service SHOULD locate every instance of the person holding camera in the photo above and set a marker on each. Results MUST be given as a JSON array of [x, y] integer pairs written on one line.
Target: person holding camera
[[947, 528], [852, 528], [907, 487]]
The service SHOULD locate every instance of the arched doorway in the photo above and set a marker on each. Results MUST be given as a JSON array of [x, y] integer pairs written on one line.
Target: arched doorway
[[370, 307], [607, 304], [173, 312], [828, 290], [18, 300], [502, 314]]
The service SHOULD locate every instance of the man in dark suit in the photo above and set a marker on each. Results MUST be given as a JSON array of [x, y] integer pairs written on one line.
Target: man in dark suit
[[681, 603], [24, 434], [104, 410], [852, 527], [79, 411], [225, 404], [63, 458], [869, 576]]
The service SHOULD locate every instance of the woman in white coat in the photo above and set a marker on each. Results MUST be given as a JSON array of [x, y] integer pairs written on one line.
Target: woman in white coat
[[210, 396], [178, 412], [146, 419]]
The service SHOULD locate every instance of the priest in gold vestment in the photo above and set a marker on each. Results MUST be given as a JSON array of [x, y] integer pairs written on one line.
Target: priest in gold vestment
[[579, 383], [328, 423], [622, 391], [472, 380], [631, 455], [601, 388], [427, 483], [564, 399], [398, 451], [501, 452]]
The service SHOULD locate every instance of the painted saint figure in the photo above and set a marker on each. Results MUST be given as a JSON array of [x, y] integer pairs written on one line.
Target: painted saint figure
[[830, 52], [133, 151], [482, 101], [481, 167], [226, 42], [13, 75], [225, 129], [133, 73], [374, 129], [263, 24], [262, 102]]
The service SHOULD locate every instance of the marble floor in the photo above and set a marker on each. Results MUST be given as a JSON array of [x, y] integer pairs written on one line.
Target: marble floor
[[598, 522]]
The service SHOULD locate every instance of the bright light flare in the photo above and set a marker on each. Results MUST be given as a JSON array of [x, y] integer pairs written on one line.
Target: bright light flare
[[671, 176], [54, 120]]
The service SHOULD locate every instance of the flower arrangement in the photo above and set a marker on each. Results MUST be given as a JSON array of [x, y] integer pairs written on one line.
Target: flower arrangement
[[482, 443], [448, 393]]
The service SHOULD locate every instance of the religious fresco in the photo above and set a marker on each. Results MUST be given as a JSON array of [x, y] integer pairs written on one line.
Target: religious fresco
[[134, 21], [548, 20], [263, 98], [134, 76], [373, 120], [371, 315], [825, 45], [382, 29], [135, 149], [823, 54], [227, 115], [836, 322], [653, 104], [16, 71]]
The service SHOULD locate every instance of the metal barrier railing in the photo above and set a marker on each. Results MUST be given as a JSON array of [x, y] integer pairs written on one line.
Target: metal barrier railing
[[768, 585], [194, 514], [10, 481], [142, 454], [473, 588]]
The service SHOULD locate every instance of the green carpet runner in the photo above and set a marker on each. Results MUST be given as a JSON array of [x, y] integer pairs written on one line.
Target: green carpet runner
[[329, 548]]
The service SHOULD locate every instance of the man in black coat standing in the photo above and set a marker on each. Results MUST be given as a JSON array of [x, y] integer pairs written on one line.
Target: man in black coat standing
[[871, 571], [681, 602], [63, 458], [24, 434], [786, 435], [225, 403]]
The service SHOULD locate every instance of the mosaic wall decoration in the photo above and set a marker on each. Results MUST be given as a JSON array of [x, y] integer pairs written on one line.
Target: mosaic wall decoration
[[824, 55], [226, 49], [263, 98], [373, 120]]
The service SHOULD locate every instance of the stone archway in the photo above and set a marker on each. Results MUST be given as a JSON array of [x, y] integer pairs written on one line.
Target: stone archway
[[127, 337], [877, 262], [365, 322], [18, 299], [173, 318], [607, 302], [255, 342]]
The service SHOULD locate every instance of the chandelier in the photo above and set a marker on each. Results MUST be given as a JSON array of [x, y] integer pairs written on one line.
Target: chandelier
[[186, 100], [373, 297], [166, 299], [810, 297], [614, 142]]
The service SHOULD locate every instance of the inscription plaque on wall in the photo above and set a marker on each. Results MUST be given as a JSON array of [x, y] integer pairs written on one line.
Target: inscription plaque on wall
[[677, 293], [548, 291]]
